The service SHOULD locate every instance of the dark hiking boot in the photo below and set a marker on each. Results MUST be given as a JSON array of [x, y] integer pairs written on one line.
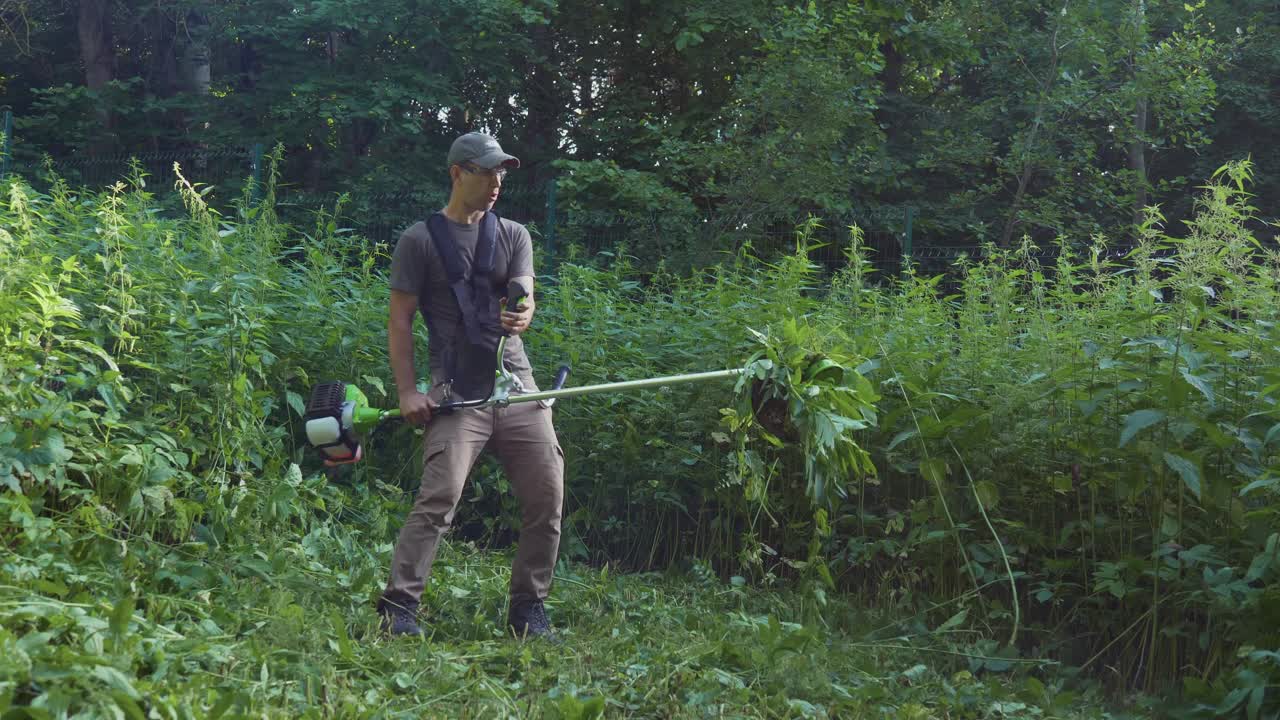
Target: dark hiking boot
[[398, 619], [529, 620]]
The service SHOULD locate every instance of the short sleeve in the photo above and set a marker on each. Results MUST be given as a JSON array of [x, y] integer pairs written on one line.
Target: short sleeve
[[521, 262], [408, 264]]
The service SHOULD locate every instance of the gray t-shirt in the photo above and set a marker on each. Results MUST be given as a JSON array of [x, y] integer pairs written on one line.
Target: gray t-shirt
[[415, 266]]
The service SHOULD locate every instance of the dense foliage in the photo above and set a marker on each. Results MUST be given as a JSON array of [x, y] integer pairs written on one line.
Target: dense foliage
[[165, 553], [1075, 463], [992, 120]]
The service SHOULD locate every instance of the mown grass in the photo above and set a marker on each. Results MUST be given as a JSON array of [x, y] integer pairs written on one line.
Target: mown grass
[[98, 625]]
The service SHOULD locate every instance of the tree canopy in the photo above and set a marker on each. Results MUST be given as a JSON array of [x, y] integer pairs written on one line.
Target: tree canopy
[[992, 120]]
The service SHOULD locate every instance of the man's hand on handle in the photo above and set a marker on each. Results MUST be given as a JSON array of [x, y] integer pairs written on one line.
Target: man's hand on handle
[[416, 408], [518, 321]]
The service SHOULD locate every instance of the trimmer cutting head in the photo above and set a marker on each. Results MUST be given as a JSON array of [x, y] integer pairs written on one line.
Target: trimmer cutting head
[[330, 421]]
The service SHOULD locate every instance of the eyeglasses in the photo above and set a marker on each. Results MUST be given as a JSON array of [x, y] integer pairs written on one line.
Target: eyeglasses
[[498, 172]]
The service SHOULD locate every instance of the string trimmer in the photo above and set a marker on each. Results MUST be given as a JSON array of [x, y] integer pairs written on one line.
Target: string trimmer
[[338, 413]]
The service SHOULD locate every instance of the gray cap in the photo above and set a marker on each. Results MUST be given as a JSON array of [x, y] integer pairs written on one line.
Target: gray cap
[[482, 150]]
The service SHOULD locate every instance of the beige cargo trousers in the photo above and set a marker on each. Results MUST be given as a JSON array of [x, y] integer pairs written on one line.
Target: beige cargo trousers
[[524, 441]]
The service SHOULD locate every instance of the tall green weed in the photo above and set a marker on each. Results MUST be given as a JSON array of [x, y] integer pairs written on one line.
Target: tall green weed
[[1083, 455]]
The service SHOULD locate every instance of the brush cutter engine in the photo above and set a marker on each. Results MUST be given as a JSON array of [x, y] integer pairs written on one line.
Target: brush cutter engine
[[335, 414]]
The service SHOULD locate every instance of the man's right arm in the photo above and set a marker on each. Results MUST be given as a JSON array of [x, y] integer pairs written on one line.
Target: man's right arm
[[414, 407]]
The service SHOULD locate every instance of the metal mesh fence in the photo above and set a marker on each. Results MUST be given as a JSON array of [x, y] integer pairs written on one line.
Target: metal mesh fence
[[227, 169]]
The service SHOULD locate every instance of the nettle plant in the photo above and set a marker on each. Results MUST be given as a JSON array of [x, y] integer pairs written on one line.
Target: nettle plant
[[796, 457], [1105, 426]]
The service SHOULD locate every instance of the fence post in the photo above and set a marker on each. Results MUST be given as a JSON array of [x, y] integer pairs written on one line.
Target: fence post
[[8, 144], [255, 169], [551, 218], [906, 237]]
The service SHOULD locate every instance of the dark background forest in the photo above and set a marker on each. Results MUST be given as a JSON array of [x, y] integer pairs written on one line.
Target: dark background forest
[[989, 120]]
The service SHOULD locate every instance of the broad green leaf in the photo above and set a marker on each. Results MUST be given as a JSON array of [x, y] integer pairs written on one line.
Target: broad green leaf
[[57, 447], [120, 617], [1194, 688], [915, 672], [1259, 566], [934, 470], [116, 680], [50, 587], [825, 370], [1254, 708], [224, 702], [1200, 554], [1272, 435], [953, 622], [900, 438], [1262, 483], [339, 627], [295, 402], [132, 457], [129, 705], [375, 382], [1188, 470], [1138, 421], [1232, 701], [93, 349], [1200, 384], [402, 682], [987, 493]]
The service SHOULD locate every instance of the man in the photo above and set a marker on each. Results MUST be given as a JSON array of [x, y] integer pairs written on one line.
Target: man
[[438, 268]]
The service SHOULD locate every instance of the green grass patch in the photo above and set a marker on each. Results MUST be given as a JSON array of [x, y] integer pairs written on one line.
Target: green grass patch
[[96, 625]]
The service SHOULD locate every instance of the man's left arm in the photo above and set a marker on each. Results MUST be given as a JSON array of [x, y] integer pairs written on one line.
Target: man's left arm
[[520, 270]]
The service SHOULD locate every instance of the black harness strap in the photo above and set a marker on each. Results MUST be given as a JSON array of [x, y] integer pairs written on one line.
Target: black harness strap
[[486, 247], [471, 362]]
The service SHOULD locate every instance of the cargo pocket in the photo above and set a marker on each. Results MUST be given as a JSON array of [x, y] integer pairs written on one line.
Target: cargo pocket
[[434, 452]]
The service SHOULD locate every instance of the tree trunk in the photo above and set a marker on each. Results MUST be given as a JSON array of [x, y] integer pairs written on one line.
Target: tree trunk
[[1024, 179], [891, 88], [355, 134], [1137, 149], [1028, 159], [1138, 160], [250, 67], [162, 75], [586, 87], [97, 43], [544, 106], [196, 74], [97, 49]]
